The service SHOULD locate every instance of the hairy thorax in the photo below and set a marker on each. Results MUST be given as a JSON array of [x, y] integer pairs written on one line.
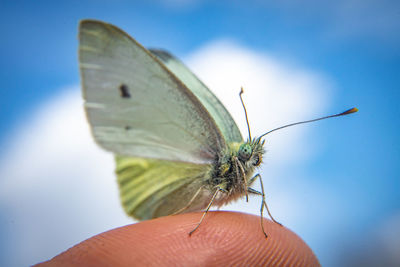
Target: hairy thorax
[[231, 175]]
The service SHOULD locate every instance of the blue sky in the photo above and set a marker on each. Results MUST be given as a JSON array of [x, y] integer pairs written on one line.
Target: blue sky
[[335, 183]]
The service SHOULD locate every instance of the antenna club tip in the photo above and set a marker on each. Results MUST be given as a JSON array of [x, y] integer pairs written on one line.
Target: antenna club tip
[[241, 90], [349, 111]]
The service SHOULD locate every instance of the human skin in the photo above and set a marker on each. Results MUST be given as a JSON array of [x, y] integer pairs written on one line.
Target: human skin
[[223, 239]]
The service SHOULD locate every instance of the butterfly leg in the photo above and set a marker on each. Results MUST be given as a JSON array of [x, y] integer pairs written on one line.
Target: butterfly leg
[[263, 203], [208, 207], [240, 167]]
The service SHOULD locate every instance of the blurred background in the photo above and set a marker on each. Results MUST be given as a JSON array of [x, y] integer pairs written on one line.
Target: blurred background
[[335, 183]]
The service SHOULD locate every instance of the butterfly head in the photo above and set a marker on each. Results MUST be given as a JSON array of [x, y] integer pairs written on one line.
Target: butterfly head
[[250, 152]]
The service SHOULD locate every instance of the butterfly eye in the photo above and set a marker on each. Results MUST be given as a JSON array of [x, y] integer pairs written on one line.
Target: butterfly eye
[[244, 152]]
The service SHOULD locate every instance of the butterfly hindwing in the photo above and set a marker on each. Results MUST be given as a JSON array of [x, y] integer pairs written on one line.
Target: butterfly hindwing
[[152, 188]]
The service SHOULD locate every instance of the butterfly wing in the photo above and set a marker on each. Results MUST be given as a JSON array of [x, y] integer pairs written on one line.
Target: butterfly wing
[[136, 106], [222, 118], [151, 188]]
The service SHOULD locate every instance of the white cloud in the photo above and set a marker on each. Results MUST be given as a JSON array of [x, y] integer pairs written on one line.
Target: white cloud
[[276, 93], [58, 187]]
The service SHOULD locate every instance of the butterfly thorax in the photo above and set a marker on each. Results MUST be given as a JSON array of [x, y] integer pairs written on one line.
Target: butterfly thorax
[[235, 167]]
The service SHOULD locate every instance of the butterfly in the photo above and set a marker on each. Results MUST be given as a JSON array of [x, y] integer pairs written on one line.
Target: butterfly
[[177, 148]]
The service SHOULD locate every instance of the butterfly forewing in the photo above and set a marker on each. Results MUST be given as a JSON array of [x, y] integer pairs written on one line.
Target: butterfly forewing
[[136, 106]]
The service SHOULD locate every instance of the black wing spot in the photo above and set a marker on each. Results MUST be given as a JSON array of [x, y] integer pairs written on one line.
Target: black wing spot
[[124, 91], [127, 127]]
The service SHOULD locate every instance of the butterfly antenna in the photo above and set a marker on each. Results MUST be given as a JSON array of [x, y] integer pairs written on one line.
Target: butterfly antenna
[[349, 111], [245, 112]]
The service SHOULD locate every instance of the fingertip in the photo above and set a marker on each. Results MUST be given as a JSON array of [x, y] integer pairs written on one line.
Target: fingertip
[[223, 238], [240, 239]]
